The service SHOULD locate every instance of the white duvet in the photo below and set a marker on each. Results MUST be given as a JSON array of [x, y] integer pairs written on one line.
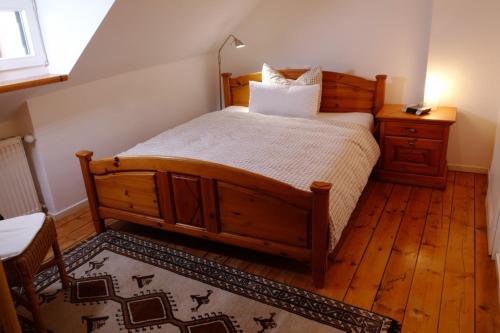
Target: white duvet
[[296, 151]]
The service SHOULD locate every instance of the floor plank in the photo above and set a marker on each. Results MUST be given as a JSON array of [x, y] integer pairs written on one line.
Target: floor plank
[[395, 287], [427, 267], [346, 261], [457, 303], [487, 309], [423, 307], [365, 282]]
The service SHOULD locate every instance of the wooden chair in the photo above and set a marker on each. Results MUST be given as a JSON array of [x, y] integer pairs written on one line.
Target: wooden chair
[[24, 243]]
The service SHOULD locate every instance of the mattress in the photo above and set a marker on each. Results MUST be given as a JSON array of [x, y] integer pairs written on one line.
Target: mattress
[[361, 118], [296, 151]]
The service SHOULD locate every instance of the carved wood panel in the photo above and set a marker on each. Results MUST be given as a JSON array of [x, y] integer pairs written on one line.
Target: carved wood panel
[[131, 191], [187, 200], [250, 213]]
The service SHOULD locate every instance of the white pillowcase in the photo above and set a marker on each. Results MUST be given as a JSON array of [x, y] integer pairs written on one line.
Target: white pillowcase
[[284, 100], [236, 108], [271, 75], [312, 76]]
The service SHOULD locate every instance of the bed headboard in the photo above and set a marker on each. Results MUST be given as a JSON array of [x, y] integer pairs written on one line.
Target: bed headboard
[[341, 92]]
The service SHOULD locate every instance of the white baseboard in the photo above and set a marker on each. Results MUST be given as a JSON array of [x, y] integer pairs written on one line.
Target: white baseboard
[[69, 210], [468, 168]]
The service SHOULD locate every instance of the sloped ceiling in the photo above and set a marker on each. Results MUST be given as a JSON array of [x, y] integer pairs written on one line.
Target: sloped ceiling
[[141, 34]]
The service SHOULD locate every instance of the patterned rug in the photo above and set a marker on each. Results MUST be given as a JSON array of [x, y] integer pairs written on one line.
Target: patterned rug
[[122, 283]]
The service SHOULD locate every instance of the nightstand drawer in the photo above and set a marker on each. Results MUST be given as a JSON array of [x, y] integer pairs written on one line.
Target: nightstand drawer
[[414, 130], [411, 155]]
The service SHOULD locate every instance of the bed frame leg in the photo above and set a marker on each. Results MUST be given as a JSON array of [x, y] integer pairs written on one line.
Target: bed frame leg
[[99, 225], [320, 222], [85, 157]]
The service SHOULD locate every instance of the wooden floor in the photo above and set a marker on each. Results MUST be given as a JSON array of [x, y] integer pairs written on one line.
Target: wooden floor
[[414, 254]]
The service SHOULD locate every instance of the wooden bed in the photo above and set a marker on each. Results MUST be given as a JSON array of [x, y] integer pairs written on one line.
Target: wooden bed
[[226, 204]]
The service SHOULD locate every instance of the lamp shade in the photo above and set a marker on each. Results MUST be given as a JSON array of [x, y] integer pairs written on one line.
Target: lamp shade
[[238, 43]]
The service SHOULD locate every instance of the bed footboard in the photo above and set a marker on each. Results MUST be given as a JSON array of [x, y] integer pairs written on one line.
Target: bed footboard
[[211, 201]]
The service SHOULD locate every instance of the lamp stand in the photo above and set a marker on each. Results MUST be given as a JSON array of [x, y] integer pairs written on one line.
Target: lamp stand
[[238, 44], [220, 82]]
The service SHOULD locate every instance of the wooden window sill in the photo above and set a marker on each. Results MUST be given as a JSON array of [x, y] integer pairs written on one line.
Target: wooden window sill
[[31, 82]]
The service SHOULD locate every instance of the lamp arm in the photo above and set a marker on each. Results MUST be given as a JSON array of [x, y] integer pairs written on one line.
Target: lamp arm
[[224, 44], [220, 62]]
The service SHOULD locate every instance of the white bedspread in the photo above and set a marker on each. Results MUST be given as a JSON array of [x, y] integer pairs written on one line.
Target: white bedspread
[[361, 118], [293, 150]]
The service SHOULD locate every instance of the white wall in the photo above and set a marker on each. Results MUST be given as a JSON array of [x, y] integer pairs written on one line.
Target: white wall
[[111, 115], [153, 40], [9, 128], [455, 39], [67, 27], [464, 54], [140, 34], [18, 124], [356, 36], [21, 74]]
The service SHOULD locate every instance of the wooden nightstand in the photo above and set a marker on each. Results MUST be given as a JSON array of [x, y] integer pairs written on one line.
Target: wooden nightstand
[[413, 148]]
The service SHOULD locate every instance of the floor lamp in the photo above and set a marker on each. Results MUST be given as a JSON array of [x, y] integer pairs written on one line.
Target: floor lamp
[[238, 44]]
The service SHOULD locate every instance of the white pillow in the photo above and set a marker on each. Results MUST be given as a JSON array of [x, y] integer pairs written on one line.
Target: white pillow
[[312, 76], [235, 108], [271, 75], [284, 100]]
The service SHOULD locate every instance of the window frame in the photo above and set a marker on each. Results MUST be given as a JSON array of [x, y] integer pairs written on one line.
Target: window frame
[[39, 56]]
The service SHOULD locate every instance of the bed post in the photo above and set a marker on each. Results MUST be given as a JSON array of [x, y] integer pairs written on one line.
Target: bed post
[[320, 222], [85, 157], [227, 89], [379, 93]]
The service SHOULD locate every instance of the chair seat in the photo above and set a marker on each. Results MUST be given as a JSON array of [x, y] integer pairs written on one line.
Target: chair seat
[[17, 233]]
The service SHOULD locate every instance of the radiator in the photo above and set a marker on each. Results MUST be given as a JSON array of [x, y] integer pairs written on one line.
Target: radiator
[[18, 195]]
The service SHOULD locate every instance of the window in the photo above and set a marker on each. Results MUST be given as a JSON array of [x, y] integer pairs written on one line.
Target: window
[[20, 39]]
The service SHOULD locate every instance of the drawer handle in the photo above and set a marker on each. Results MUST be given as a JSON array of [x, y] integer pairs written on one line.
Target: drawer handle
[[411, 143], [411, 130]]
